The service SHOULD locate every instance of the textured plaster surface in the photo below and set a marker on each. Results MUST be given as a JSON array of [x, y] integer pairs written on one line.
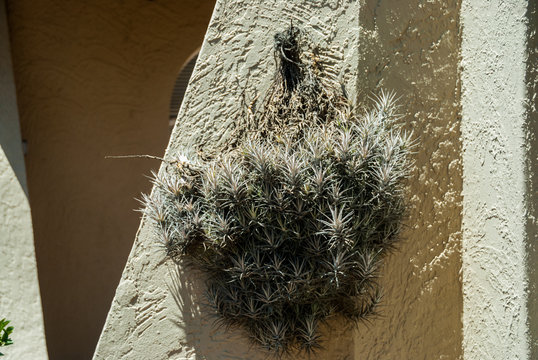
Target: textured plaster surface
[[412, 47], [19, 288], [158, 310], [531, 136], [94, 78], [493, 115]]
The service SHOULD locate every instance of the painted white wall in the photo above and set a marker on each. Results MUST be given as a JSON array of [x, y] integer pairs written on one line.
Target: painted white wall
[[493, 118], [19, 288]]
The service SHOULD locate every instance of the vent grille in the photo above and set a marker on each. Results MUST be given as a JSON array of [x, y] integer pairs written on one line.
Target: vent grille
[[180, 87]]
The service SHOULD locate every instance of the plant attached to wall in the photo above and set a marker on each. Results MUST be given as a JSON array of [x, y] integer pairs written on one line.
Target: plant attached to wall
[[292, 224]]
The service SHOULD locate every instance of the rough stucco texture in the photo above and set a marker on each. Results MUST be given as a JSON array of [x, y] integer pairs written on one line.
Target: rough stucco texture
[[493, 113], [532, 174], [94, 78], [412, 47], [19, 289], [158, 310]]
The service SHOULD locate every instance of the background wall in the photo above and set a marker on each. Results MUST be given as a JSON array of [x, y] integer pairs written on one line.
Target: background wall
[[94, 78]]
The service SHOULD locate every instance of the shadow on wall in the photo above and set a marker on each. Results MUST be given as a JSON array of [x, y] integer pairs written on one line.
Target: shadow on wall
[[10, 138], [412, 47], [93, 79], [11, 146], [201, 338], [203, 335], [189, 306]]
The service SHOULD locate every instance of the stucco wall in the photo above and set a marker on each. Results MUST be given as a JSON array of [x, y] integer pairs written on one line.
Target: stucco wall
[[19, 289], [94, 78], [531, 172], [158, 309], [412, 47], [494, 186], [409, 47]]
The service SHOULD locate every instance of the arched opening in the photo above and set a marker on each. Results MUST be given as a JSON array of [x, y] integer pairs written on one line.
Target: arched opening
[[180, 86]]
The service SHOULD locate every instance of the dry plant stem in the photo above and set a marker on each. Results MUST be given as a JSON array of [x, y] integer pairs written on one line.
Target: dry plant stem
[[291, 223], [134, 156]]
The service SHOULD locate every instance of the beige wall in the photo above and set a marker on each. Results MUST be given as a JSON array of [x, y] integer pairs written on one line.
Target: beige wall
[[494, 99], [412, 47], [94, 78]]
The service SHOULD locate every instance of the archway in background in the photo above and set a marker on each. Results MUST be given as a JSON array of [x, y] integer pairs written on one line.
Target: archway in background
[[180, 86]]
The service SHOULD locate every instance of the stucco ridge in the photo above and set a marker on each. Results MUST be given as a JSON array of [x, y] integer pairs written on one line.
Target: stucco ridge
[[493, 109]]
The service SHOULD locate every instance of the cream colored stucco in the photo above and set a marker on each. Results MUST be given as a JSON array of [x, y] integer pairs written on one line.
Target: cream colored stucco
[[493, 118], [94, 78], [158, 310], [412, 48], [19, 289]]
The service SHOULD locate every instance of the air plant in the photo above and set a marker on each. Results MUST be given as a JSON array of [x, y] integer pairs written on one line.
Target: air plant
[[292, 225]]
